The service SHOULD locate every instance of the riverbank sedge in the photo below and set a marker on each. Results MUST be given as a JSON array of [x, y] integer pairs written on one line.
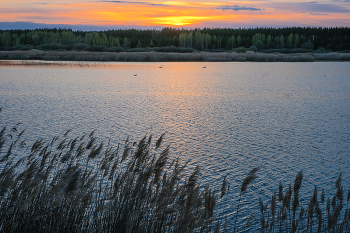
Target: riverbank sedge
[[169, 57]]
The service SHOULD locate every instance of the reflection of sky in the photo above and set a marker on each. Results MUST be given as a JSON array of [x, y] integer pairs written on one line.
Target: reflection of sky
[[219, 13]]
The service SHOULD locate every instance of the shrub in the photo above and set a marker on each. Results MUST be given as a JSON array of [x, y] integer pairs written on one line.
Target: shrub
[[24, 47], [172, 49], [115, 49], [240, 50], [322, 50], [138, 50], [95, 48], [307, 45], [253, 48], [54, 46], [80, 46]]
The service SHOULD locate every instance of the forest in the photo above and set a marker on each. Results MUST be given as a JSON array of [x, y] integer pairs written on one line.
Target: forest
[[286, 40]]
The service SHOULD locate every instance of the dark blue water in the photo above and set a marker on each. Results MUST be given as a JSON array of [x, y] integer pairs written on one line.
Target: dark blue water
[[228, 117]]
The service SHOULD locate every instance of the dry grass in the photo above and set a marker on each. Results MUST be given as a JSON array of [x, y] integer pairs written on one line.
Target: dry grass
[[170, 57]]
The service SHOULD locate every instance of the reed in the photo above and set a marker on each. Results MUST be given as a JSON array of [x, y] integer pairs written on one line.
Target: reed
[[318, 216], [165, 55], [82, 185], [249, 179]]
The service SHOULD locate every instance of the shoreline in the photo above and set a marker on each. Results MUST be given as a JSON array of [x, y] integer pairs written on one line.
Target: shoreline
[[171, 57]]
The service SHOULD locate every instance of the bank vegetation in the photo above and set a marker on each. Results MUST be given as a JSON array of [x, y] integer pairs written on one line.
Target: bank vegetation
[[170, 57]]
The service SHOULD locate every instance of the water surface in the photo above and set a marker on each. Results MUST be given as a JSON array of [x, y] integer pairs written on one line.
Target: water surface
[[227, 118]]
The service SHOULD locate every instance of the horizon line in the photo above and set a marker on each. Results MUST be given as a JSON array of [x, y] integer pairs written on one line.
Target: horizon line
[[23, 25]]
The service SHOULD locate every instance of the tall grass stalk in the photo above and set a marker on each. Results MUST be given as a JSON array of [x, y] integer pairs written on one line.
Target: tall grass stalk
[[82, 185], [249, 179]]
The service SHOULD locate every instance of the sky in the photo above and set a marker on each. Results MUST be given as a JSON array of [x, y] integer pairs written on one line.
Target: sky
[[184, 14]]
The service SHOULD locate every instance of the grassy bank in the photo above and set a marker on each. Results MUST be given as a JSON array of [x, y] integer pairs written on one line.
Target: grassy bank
[[79, 184], [170, 57]]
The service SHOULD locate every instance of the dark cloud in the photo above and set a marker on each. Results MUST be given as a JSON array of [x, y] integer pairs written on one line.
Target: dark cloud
[[308, 7], [329, 8], [237, 8], [317, 14]]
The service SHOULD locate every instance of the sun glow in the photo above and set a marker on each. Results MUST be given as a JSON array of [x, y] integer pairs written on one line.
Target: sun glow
[[171, 3], [178, 20]]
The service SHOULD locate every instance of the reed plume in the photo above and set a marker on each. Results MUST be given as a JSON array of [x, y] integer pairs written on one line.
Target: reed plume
[[247, 180]]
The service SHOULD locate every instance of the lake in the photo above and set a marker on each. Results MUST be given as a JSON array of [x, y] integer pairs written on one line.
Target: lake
[[227, 118]]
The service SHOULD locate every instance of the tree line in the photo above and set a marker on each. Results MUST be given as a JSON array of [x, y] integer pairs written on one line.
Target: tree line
[[206, 39]]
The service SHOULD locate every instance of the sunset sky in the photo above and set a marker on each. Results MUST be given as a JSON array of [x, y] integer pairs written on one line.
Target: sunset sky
[[185, 13]]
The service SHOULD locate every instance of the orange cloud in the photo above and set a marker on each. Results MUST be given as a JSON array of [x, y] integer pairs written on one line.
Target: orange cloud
[[178, 13]]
